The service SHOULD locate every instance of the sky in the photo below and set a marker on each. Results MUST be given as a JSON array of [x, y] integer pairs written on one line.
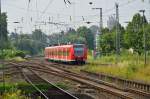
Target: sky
[[39, 13]]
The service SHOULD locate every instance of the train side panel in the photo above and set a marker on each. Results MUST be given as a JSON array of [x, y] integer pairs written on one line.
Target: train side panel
[[67, 53]]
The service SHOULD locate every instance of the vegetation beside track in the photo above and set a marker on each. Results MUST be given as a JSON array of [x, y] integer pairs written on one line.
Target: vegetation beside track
[[20, 90], [18, 59], [14, 95], [129, 66], [12, 54], [27, 88]]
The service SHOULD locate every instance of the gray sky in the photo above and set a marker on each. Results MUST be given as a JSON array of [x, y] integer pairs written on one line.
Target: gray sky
[[41, 10]]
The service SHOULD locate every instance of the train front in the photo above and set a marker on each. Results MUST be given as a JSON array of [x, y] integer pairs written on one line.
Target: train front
[[80, 53]]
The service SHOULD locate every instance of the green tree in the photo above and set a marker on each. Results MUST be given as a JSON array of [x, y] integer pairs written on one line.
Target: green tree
[[87, 34], [147, 31], [39, 36], [133, 37], [3, 31], [107, 42], [32, 43], [40, 40]]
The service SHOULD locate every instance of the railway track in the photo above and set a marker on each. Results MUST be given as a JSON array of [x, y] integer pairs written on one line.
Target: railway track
[[120, 83], [141, 94], [33, 78], [1, 78], [53, 92], [56, 69], [96, 84], [124, 83]]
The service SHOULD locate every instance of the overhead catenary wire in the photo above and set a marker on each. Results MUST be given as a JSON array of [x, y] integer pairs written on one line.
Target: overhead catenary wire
[[37, 12], [67, 2], [28, 16], [104, 12], [85, 17], [44, 11]]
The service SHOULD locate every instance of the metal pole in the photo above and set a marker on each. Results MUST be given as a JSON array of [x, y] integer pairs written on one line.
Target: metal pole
[[144, 35], [117, 34], [101, 26], [97, 38], [0, 22], [0, 8], [101, 20], [145, 50], [145, 61], [2, 48]]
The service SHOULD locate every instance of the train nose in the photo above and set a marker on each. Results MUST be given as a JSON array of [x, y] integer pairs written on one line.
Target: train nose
[[79, 58]]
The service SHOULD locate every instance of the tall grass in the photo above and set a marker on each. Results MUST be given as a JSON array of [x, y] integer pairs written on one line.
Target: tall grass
[[11, 53], [18, 91], [14, 95], [129, 66]]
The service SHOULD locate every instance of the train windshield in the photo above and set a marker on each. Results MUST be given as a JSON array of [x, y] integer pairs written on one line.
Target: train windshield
[[79, 50]]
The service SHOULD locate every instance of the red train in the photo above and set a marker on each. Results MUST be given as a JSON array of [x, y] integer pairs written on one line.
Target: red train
[[74, 53]]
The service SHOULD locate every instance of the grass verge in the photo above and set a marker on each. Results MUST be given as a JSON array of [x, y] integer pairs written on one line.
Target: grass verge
[[27, 88], [20, 90], [129, 66]]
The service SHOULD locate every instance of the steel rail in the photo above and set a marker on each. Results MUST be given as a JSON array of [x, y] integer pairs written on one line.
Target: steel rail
[[31, 68], [59, 88], [28, 80], [101, 82], [138, 92], [87, 82], [81, 80], [129, 89], [123, 82]]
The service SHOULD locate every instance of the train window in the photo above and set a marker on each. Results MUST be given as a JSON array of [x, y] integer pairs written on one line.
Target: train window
[[52, 53], [65, 52], [78, 50], [48, 53], [59, 52]]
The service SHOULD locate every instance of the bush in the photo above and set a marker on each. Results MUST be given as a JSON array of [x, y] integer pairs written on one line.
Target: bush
[[11, 53], [7, 53], [20, 54], [130, 66], [18, 59], [14, 95]]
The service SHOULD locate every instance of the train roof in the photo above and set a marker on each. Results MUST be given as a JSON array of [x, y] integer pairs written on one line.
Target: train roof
[[59, 46], [63, 46]]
